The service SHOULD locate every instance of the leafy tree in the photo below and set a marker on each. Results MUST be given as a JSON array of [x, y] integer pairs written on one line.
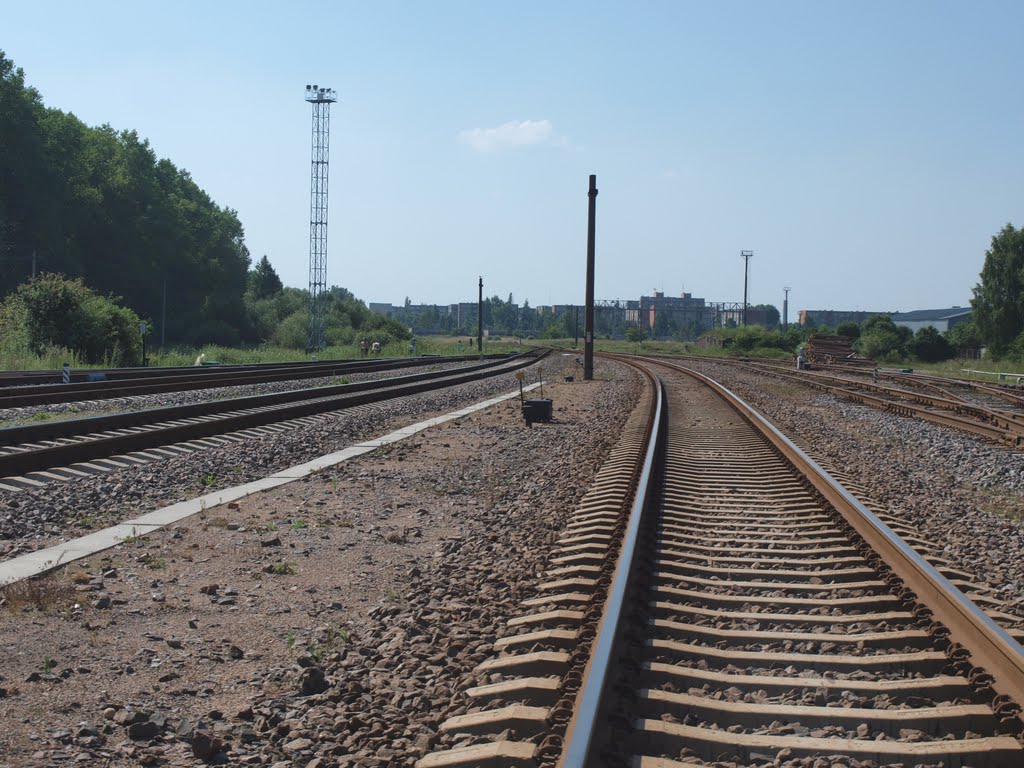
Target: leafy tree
[[263, 280], [963, 337], [848, 329], [96, 202], [882, 339], [929, 346], [998, 300]]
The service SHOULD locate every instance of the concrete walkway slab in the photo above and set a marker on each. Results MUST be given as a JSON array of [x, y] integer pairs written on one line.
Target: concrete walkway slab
[[36, 563]]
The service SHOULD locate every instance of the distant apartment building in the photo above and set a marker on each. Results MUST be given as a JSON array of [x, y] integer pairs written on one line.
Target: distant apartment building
[[667, 315]]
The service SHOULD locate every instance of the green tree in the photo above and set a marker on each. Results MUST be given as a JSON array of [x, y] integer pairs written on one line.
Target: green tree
[[882, 339], [636, 333], [96, 202], [848, 329], [929, 346], [263, 280], [998, 301], [964, 337], [53, 311]]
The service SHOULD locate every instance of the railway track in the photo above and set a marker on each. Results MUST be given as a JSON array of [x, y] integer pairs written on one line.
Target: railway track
[[718, 599], [911, 396], [41, 453], [132, 381]]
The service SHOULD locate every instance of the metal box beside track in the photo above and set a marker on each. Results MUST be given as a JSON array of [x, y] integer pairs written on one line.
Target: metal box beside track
[[537, 410]]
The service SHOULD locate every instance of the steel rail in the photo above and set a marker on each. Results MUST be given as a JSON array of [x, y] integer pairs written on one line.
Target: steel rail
[[924, 381], [80, 375], [989, 646], [47, 394], [1002, 426], [21, 462], [580, 737], [36, 432]]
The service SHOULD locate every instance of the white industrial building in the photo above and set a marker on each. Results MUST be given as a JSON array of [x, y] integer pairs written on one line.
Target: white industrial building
[[939, 319]]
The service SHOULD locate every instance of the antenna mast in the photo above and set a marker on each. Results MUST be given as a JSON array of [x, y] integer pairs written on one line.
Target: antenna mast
[[321, 99]]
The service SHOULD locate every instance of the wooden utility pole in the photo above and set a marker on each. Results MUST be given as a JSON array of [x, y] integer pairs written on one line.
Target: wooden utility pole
[[588, 329]]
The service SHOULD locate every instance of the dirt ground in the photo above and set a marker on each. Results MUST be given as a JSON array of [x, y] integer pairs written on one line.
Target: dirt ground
[[167, 649]]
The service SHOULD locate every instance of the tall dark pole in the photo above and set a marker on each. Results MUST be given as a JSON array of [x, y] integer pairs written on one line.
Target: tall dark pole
[[785, 308], [480, 319], [746, 264], [576, 343], [588, 323], [163, 318]]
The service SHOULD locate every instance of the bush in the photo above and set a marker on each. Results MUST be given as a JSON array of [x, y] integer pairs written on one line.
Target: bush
[[754, 337], [293, 330], [635, 333], [929, 346], [53, 311], [849, 329], [881, 339]]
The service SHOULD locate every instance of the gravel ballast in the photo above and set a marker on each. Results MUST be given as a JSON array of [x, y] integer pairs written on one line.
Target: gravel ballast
[[326, 623], [37, 518], [962, 493], [332, 622]]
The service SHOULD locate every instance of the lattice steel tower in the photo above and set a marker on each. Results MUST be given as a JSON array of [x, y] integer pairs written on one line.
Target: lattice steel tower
[[321, 99]]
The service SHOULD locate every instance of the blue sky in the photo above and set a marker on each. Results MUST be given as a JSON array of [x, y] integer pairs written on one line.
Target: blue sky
[[865, 151]]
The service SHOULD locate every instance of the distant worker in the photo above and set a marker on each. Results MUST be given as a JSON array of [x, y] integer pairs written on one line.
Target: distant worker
[[412, 346], [376, 348], [874, 375], [200, 359], [364, 347], [801, 361]]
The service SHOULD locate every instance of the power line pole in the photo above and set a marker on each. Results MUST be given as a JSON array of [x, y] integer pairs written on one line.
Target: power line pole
[[480, 319], [163, 318], [785, 308], [746, 256], [588, 321], [321, 99]]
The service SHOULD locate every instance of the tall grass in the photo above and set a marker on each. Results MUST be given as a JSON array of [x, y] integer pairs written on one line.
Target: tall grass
[[14, 357]]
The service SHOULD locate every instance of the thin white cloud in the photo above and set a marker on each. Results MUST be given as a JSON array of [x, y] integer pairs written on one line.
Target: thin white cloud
[[517, 133]]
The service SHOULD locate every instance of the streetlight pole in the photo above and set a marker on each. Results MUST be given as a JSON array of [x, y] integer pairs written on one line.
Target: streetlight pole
[[785, 307], [480, 319], [746, 256], [588, 327]]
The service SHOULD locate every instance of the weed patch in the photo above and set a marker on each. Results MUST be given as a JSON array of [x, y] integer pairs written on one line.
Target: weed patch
[[153, 562], [282, 569], [44, 594]]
